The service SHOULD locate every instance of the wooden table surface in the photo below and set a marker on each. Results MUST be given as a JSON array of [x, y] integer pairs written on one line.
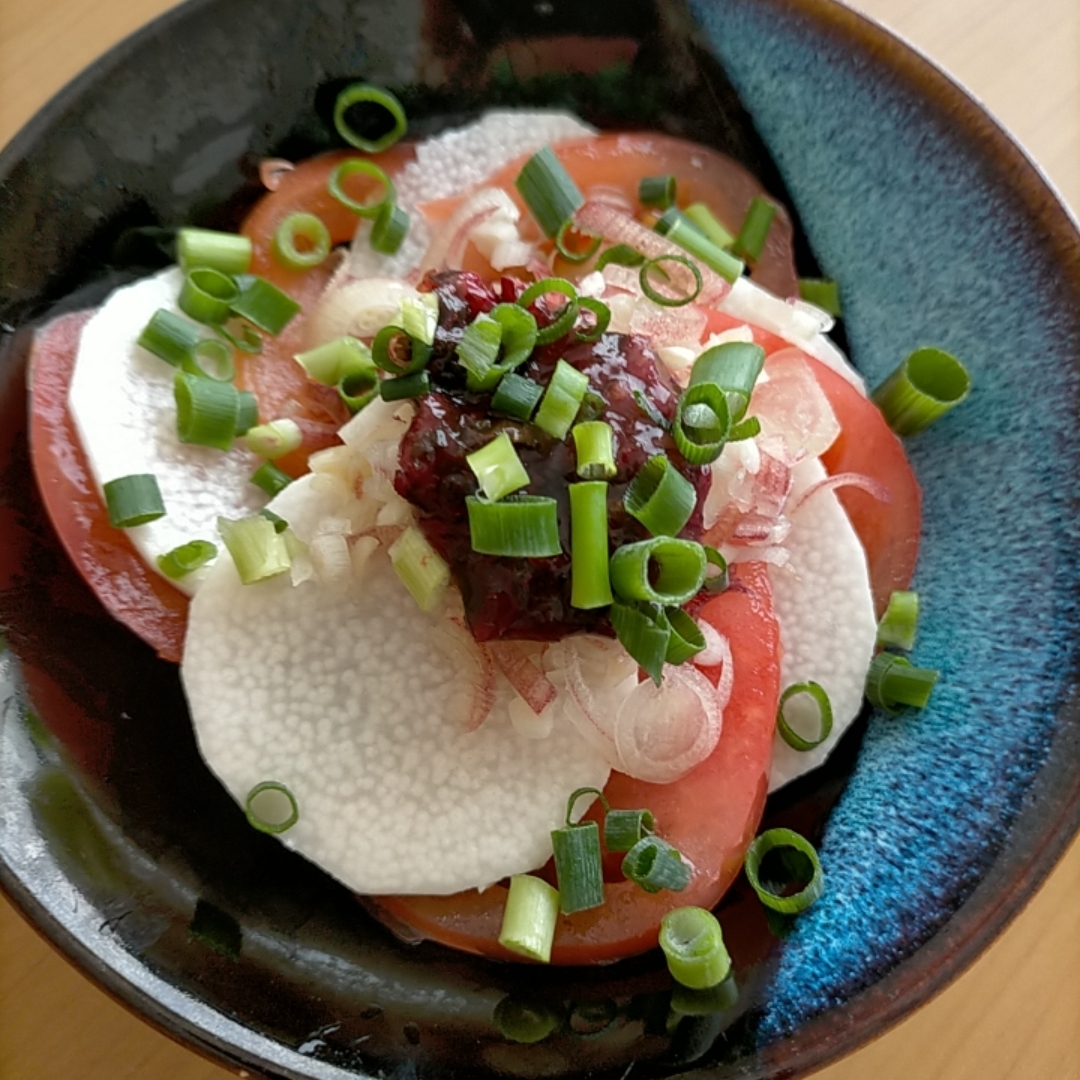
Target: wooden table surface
[[1015, 1015]]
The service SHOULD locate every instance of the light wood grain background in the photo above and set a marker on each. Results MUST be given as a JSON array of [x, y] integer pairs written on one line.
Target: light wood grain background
[[1015, 1015]]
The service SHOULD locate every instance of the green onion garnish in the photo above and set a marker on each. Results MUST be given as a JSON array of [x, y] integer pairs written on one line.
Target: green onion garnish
[[594, 448], [658, 191], [206, 411], [404, 387], [420, 316], [590, 585], [822, 293], [734, 367], [362, 387], [654, 864], [693, 946], [561, 400], [717, 582], [245, 338], [270, 478], [602, 316], [578, 866], [529, 918], [923, 388], [386, 108], [516, 396], [521, 526], [662, 570], [228, 252], [478, 351], [265, 305], [680, 230], [624, 828], [384, 195], [822, 706], [898, 624], [620, 255], [394, 352], [643, 631], [133, 500], [893, 682], [655, 266], [274, 439], [247, 412], [519, 334], [575, 255], [330, 363], [207, 295], [390, 228], [660, 497], [707, 223], [567, 315], [497, 468], [798, 862], [169, 337], [186, 559], [257, 549], [702, 422], [550, 194], [422, 570], [750, 242], [315, 237], [525, 1021], [212, 359], [279, 523], [271, 807], [686, 638]]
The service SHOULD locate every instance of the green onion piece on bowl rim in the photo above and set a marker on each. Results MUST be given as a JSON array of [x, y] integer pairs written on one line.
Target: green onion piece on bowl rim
[[798, 860], [900, 621], [923, 388], [380, 102], [271, 807]]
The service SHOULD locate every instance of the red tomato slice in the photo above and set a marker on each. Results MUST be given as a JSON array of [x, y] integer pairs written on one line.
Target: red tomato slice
[[710, 815]]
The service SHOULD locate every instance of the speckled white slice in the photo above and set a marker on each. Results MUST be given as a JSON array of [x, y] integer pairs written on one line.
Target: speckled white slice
[[337, 694], [121, 400], [825, 609]]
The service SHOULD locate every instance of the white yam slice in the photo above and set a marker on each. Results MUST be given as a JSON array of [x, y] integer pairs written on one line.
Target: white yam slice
[[121, 400], [826, 614], [338, 693]]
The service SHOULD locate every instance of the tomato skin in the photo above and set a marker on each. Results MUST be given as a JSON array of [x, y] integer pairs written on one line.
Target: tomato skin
[[710, 815]]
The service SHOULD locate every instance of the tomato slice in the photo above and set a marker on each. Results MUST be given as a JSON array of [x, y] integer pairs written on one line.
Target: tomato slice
[[710, 815]]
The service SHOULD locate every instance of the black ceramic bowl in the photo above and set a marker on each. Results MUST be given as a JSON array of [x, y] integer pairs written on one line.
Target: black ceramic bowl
[[933, 830]]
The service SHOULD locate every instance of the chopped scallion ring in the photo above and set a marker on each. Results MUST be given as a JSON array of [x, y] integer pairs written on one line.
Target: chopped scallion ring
[[654, 864], [270, 478], [719, 581], [206, 411], [332, 362], [578, 866], [567, 314], [211, 359], [362, 387], [898, 624], [590, 584], [660, 497], [894, 682], [169, 337], [422, 570], [822, 293], [389, 117], [657, 191], [602, 315], [624, 828], [702, 422], [371, 207], [822, 706], [186, 559], [207, 295], [579, 254], [394, 352], [274, 439], [301, 241], [529, 918], [478, 351], [693, 945], [561, 400], [519, 335], [662, 570], [247, 412], [797, 863], [244, 338], [516, 396], [497, 468], [520, 526], [706, 222], [279, 523], [680, 230], [265, 305], [258, 550], [271, 807], [686, 639], [665, 299], [551, 196], [419, 316], [750, 242], [734, 367], [228, 253], [133, 500], [390, 229], [404, 387], [620, 255], [923, 388], [594, 448], [643, 631]]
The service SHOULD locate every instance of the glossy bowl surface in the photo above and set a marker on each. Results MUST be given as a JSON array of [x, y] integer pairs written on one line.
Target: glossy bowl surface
[[933, 829]]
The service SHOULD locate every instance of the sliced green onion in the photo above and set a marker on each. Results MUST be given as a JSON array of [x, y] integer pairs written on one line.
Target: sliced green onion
[[133, 500], [590, 585], [301, 227], [570, 254], [521, 526], [247, 412], [229, 253], [422, 570], [693, 946], [750, 242], [707, 223], [393, 351], [275, 439], [822, 293], [798, 863], [383, 104], [497, 468], [665, 299], [655, 416], [662, 570], [643, 631], [332, 362], [207, 295], [578, 866], [186, 559], [923, 388], [594, 448], [658, 191], [271, 807], [516, 396], [419, 316], [279, 523], [561, 400], [211, 359], [686, 639], [620, 255], [654, 864], [745, 429], [265, 305], [478, 351], [602, 315], [567, 315], [660, 497], [405, 386], [551, 196], [256, 547], [384, 195], [270, 478], [680, 230], [734, 367], [894, 682], [525, 1021], [362, 387], [529, 918], [702, 422], [897, 626], [822, 706], [169, 337], [390, 228], [240, 336], [593, 406], [624, 828], [205, 411], [519, 334], [717, 582]]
